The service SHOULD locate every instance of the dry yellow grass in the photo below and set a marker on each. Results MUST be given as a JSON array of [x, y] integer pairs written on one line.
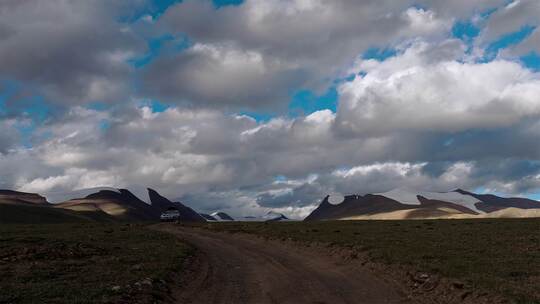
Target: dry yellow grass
[[95, 205], [448, 213]]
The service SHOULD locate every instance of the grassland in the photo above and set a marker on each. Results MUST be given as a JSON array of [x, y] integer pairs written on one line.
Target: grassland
[[497, 255], [87, 263], [27, 214]]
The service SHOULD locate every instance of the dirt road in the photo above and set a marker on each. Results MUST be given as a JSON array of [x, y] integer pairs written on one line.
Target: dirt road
[[236, 268]]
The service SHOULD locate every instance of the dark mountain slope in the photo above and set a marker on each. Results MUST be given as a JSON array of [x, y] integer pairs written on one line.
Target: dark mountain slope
[[355, 205], [186, 214], [16, 197], [30, 208]]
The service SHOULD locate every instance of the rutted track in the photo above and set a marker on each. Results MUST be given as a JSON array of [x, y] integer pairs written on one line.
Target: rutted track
[[232, 268]]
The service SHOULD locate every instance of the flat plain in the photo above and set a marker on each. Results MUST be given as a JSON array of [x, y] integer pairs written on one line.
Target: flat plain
[[91, 262], [87, 263], [499, 256]]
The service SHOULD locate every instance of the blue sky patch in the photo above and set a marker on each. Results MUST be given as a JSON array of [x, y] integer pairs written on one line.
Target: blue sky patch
[[532, 61], [258, 116], [159, 45], [280, 178], [104, 124], [305, 102], [221, 3], [379, 54], [465, 30], [155, 106], [154, 8], [98, 106]]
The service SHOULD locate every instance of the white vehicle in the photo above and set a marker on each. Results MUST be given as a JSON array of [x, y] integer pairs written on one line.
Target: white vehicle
[[170, 215]]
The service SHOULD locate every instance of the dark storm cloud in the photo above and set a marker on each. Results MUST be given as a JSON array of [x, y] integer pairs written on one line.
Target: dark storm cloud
[[70, 51], [221, 76]]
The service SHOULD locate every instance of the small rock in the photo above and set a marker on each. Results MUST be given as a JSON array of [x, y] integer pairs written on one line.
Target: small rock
[[116, 288], [420, 277], [430, 285], [465, 295]]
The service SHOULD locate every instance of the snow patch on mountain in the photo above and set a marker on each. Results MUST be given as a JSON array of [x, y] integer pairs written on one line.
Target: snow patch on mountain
[[222, 216], [410, 197], [270, 216], [274, 216], [336, 198], [403, 195]]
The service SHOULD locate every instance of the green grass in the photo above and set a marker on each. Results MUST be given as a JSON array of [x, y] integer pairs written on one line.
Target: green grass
[[500, 255], [82, 262]]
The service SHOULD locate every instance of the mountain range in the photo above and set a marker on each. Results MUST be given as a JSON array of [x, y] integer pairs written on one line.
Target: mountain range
[[111, 204], [102, 204], [403, 203]]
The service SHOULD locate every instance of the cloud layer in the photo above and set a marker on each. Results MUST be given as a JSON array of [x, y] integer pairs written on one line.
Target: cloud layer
[[434, 113]]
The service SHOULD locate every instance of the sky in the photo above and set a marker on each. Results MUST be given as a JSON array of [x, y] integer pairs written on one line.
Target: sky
[[249, 106]]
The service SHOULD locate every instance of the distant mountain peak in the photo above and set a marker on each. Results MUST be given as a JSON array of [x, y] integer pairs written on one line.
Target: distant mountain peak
[[274, 216], [222, 216]]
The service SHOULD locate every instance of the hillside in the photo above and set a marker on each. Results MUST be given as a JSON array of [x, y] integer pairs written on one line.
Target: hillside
[[30, 208], [120, 204], [16, 197], [96, 204]]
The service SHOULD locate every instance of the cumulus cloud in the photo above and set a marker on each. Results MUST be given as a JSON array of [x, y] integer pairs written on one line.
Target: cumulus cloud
[[223, 75], [272, 48], [212, 160], [426, 89]]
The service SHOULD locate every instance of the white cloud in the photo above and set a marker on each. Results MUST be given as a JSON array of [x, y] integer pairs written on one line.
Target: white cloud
[[417, 91]]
